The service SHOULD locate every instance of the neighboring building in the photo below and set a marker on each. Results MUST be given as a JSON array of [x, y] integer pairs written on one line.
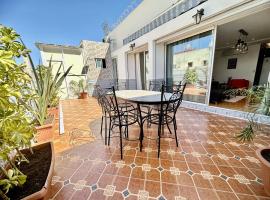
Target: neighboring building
[[158, 38], [90, 61]]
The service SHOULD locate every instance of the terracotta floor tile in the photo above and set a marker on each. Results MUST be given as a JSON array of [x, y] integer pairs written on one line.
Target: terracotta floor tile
[[153, 188], [201, 182], [137, 172], [98, 194], [226, 195], [188, 192], [167, 177], [239, 187], [170, 190], [121, 183], [206, 194], [105, 180], [81, 194], [184, 179], [135, 185], [65, 193], [220, 184], [153, 175], [206, 150]]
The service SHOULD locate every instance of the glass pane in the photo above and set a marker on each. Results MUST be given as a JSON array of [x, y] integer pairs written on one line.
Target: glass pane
[[189, 60]]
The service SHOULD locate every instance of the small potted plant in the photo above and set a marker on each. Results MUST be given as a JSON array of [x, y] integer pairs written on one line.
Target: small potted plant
[[25, 171], [79, 88], [259, 104]]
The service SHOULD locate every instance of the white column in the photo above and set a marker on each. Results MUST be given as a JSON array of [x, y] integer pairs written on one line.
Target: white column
[[152, 61], [160, 66]]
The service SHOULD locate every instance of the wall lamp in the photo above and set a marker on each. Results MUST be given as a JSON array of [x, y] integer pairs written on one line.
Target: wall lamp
[[198, 16], [131, 46]]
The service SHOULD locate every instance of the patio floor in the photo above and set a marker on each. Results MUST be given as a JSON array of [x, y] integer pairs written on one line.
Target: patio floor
[[208, 164]]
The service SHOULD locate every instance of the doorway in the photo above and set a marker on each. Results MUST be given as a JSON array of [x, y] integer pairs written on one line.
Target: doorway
[[144, 69]]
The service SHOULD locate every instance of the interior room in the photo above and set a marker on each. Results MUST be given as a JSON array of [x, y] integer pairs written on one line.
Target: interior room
[[242, 60]]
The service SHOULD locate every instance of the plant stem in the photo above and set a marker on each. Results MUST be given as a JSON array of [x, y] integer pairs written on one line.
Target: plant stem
[[3, 195]]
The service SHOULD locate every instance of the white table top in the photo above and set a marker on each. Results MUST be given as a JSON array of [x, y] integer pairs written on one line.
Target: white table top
[[142, 96]]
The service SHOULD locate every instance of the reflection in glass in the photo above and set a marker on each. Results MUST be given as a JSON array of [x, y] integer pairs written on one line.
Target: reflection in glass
[[189, 60]]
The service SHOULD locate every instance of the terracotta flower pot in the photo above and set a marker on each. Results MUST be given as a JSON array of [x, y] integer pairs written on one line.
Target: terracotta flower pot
[[262, 154], [53, 111], [45, 192], [83, 95], [45, 132]]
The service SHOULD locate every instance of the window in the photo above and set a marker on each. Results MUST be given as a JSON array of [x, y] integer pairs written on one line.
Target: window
[[85, 70], [100, 63], [187, 60]]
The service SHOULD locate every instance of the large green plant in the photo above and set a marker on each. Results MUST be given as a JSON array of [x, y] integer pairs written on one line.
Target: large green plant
[[16, 130], [46, 85], [259, 103]]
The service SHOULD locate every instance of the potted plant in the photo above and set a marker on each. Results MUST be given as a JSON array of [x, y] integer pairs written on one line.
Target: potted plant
[[16, 127], [79, 88], [259, 104], [46, 86]]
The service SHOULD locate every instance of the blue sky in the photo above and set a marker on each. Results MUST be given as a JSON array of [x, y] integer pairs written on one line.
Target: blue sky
[[59, 21]]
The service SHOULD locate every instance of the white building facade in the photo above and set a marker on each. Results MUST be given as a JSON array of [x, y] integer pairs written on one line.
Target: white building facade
[[159, 40]]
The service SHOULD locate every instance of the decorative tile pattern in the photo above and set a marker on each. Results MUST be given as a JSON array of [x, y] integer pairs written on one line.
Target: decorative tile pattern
[[171, 152], [252, 159], [171, 176], [196, 154], [143, 195], [120, 164], [206, 175], [148, 150], [223, 157], [241, 179], [223, 177], [146, 167], [210, 142], [190, 172], [126, 193], [174, 171], [80, 185], [109, 190], [127, 148]]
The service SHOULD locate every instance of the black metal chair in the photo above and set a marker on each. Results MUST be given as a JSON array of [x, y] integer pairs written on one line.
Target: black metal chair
[[118, 117], [156, 85], [166, 112]]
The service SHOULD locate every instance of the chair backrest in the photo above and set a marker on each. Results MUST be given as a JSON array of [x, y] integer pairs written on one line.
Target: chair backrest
[[175, 99], [156, 85], [109, 103]]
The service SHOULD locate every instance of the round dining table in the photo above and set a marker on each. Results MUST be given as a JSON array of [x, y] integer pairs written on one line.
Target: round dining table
[[142, 97]]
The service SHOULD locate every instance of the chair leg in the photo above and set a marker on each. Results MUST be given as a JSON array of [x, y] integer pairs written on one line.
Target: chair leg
[[175, 122], [159, 133], [175, 128], [101, 125], [168, 127], [109, 137], [121, 147], [105, 118]]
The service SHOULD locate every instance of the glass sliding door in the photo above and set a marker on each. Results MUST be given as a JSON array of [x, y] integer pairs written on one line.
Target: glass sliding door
[[189, 60]]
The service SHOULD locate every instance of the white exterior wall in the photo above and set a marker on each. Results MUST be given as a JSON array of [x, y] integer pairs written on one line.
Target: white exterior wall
[[74, 60], [216, 13]]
